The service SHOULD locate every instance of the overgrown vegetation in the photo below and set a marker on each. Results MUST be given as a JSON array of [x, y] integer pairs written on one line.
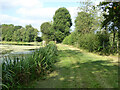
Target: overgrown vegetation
[[19, 70]]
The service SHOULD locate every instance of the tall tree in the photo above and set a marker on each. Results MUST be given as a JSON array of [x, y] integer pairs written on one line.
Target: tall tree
[[112, 18], [87, 19], [84, 23], [61, 24]]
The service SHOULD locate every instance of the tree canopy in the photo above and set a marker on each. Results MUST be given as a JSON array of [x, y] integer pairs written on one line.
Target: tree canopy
[[47, 34], [112, 18], [83, 22], [88, 33], [87, 18], [19, 33], [61, 24]]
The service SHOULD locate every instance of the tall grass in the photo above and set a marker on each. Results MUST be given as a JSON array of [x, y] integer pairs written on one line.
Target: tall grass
[[17, 71]]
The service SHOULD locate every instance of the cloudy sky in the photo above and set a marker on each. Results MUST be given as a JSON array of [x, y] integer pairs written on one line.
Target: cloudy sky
[[35, 12]]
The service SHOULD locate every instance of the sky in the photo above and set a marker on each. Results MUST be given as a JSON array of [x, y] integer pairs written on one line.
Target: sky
[[35, 12]]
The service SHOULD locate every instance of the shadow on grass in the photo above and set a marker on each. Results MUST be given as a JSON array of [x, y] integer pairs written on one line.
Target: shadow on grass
[[90, 74], [67, 53]]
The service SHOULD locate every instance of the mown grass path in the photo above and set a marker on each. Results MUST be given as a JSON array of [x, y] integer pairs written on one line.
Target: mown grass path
[[79, 69]]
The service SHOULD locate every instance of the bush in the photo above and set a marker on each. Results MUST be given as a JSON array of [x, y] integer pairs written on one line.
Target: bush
[[52, 42], [19, 70], [71, 39], [89, 41], [98, 42]]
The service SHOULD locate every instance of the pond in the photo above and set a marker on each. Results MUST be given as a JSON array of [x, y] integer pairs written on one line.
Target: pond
[[11, 50]]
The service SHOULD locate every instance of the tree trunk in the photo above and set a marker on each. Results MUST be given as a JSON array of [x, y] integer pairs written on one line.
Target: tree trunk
[[119, 41], [113, 46]]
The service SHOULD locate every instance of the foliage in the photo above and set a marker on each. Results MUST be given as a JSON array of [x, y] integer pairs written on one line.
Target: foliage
[[113, 13], [61, 24], [19, 70], [52, 42], [46, 31], [45, 27], [88, 33], [7, 32], [112, 18], [87, 19], [39, 39], [71, 39], [98, 42], [84, 23], [18, 33]]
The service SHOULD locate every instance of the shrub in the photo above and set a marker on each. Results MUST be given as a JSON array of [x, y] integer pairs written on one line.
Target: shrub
[[71, 39], [52, 42], [98, 42], [88, 41]]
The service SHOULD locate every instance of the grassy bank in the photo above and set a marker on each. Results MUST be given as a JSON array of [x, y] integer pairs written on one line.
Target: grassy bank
[[20, 43], [20, 70], [80, 69]]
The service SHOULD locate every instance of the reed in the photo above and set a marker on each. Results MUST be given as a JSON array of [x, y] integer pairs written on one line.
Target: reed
[[20, 70]]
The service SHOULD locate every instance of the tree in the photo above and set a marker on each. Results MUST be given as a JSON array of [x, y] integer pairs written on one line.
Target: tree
[[4, 30], [9, 33], [112, 18], [83, 23], [31, 33], [18, 33], [87, 19], [46, 31], [61, 24], [17, 27], [39, 39], [0, 32]]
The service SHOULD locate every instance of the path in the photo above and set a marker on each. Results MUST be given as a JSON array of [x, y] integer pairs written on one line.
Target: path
[[79, 69]]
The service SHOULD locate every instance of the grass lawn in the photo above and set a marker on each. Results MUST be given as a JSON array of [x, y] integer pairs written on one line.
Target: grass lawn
[[79, 69]]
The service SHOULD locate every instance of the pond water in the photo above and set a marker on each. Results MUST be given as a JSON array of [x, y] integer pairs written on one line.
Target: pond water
[[17, 44], [17, 50], [23, 52], [18, 54]]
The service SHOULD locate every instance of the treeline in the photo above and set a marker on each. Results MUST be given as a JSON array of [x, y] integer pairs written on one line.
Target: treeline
[[95, 33], [59, 28], [19, 33]]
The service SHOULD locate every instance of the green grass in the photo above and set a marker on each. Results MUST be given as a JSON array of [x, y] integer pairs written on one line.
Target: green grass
[[79, 69]]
